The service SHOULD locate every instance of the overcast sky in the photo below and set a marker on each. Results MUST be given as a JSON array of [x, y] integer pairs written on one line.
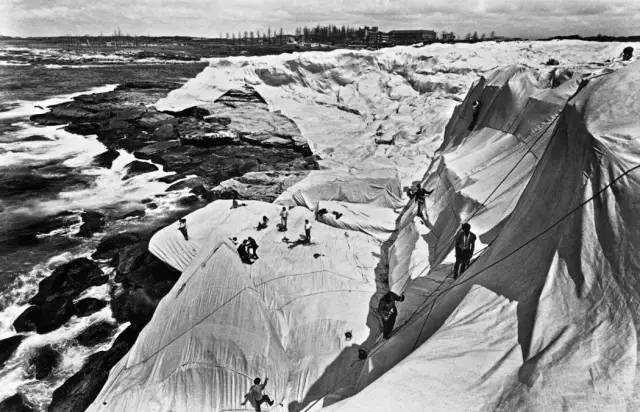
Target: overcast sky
[[525, 18]]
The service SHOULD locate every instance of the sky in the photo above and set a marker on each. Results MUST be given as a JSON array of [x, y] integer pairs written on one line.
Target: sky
[[210, 18]]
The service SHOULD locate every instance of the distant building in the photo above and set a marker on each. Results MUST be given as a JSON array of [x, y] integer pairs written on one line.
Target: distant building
[[374, 37], [448, 37], [411, 36]]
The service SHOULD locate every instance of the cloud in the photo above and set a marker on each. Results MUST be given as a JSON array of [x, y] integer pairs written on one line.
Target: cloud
[[527, 18]]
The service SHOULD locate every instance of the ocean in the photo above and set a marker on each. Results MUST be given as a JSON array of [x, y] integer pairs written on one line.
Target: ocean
[[48, 178]]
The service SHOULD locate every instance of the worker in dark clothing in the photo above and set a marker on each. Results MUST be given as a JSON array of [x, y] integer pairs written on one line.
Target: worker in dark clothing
[[263, 224], [465, 244], [284, 215], [255, 396], [388, 312], [419, 196], [475, 111], [252, 248], [243, 251], [182, 227], [307, 231]]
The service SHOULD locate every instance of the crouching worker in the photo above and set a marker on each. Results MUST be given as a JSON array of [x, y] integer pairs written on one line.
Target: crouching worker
[[255, 396], [465, 243], [388, 312], [182, 227]]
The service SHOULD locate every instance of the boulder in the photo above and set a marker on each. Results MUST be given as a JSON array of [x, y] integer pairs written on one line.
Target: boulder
[[188, 183], [44, 360], [133, 213], [27, 320], [87, 306], [165, 132], [194, 111], [36, 138], [210, 139], [109, 245], [188, 200], [224, 121], [77, 392], [97, 333], [8, 346], [105, 159], [153, 119], [16, 403], [138, 167], [91, 222], [69, 279]]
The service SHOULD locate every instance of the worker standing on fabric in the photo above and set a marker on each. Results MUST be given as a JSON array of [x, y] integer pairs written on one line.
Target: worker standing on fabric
[[465, 244], [419, 196], [284, 215], [475, 111], [182, 227], [255, 396], [388, 312], [307, 231]]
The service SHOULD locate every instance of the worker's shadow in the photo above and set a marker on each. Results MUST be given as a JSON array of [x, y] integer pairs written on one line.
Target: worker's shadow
[[344, 371], [302, 240]]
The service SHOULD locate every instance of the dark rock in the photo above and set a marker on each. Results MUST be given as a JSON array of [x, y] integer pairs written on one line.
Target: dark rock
[[91, 222], [152, 120], [87, 306], [224, 121], [188, 183], [552, 62], [44, 360], [146, 200], [202, 192], [133, 213], [27, 320], [152, 205], [210, 139], [105, 159], [197, 112], [69, 279], [109, 245], [627, 53], [7, 347], [36, 138], [16, 403], [97, 333], [145, 84], [171, 178], [137, 167], [188, 200], [46, 317], [83, 128], [166, 132], [81, 389]]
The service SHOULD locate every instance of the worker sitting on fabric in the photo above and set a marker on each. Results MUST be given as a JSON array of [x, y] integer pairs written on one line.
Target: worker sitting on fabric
[[182, 227], [419, 196], [255, 396], [465, 244], [252, 248], [243, 251], [263, 223], [388, 312]]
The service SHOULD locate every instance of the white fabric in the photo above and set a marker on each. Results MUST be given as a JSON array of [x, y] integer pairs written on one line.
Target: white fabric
[[225, 322], [379, 187], [571, 269]]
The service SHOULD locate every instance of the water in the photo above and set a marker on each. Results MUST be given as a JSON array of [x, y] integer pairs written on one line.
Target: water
[[48, 179]]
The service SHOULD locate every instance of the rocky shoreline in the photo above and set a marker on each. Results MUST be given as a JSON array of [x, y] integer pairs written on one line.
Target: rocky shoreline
[[214, 154]]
